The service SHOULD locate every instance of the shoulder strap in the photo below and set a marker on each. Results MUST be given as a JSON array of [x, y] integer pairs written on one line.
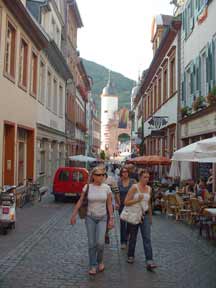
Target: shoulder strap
[[138, 190]]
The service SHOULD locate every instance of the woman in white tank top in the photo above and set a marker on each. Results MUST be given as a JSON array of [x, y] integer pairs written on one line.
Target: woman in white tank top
[[141, 193], [99, 201]]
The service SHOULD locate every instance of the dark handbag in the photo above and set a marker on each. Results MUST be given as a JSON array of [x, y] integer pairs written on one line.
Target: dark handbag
[[83, 209]]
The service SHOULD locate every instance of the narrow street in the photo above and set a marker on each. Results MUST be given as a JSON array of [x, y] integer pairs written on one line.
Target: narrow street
[[46, 251]]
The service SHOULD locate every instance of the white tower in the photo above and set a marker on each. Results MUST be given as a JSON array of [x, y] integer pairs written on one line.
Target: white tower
[[109, 105]]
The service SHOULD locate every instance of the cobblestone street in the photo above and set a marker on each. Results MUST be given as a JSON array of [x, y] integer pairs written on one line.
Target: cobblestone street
[[54, 254]]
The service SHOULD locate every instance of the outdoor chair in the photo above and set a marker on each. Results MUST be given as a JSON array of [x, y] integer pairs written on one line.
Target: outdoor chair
[[182, 211], [172, 205]]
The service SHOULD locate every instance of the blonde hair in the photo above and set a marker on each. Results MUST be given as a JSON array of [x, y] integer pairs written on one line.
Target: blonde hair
[[94, 170]]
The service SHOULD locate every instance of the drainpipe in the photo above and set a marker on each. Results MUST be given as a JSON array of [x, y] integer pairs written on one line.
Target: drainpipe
[[178, 126]]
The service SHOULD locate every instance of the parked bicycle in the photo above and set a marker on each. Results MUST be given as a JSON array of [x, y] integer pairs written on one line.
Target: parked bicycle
[[31, 194]]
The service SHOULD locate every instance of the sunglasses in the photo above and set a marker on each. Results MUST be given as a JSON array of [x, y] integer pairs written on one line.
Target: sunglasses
[[124, 171], [99, 174]]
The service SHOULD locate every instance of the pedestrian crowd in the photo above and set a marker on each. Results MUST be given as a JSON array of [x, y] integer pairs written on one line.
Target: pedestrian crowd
[[129, 194]]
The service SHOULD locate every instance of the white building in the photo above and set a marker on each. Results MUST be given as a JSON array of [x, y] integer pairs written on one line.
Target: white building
[[109, 105], [198, 71], [53, 73]]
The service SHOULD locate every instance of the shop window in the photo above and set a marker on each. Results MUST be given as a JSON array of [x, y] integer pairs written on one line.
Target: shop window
[[10, 51], [42, 158], [22, 156], [23, 64], [34, 67]]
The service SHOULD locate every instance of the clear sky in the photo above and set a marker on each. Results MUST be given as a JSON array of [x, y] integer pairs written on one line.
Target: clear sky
[[117, 33]]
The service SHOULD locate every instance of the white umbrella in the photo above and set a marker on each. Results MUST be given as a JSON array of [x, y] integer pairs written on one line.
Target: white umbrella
[[174, 169], [201, 151], [185, 170], [82, 158]]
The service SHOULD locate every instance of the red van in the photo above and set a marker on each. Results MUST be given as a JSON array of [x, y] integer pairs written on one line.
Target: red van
[[69, 182]]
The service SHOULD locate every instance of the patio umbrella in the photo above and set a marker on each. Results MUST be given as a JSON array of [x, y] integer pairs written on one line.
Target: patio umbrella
[[201, 151], [150, 160], [174, 169], [82, 158]]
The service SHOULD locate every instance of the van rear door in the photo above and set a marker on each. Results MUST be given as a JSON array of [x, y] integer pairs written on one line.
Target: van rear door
[[63, 181]]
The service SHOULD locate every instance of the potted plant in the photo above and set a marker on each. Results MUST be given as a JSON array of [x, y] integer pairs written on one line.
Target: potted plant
[[199, 103], [211, 98], [185, 111]]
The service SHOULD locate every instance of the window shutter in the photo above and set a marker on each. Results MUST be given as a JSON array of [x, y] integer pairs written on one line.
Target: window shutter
[[195, 79], [199, 75], [210, 58], [213, 61], [191, 15], [184, 88], [191, 81], [183, 24], [207, 69]]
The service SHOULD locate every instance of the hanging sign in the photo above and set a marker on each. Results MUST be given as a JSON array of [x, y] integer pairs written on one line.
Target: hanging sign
[[158, 122]]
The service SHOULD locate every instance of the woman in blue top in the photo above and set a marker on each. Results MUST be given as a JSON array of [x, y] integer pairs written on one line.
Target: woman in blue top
[[124, 184]]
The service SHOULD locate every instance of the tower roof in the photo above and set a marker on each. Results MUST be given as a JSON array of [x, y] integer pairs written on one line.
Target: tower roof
[[109, 89]]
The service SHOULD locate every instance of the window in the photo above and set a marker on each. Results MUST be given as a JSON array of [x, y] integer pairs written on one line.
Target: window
[[172, 76], [23, 63], [10, 51], [42, 166], [165, 86], [49, 89], [34, 67], [55, 99], [64, 176], [42, 83], [159, 91], [77, 176], [61, 101], [203, 74], [155, 96]]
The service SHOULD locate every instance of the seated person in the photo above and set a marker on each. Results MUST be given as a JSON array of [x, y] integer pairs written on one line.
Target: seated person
[[165, 181], [210, 181], [202, 192], [171, 190]]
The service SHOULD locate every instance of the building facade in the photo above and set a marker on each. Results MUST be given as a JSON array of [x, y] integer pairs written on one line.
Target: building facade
[[198, 71], [21, 45], [53, 75], [157, 100]]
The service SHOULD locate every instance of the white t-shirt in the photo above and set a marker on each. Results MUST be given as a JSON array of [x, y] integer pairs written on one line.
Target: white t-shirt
[[97, 197]]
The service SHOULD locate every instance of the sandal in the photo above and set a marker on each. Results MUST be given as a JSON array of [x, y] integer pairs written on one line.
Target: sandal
[[151, 266], [130, 260], [92, 271], [101, 267]]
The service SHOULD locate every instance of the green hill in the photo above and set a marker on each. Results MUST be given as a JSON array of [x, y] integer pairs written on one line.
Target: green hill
[[99, 73]]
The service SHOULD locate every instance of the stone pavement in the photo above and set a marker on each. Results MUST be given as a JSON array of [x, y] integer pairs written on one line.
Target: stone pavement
[[55, 255]]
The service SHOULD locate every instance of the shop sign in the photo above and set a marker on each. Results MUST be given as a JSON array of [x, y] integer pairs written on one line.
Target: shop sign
[[157, 133], [158, 122]]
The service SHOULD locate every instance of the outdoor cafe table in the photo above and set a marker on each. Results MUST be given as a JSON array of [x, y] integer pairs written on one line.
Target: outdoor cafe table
[[210, 212]]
